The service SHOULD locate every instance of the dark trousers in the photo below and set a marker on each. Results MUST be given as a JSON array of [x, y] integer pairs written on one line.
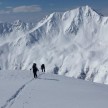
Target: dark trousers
[[43, 69], [35, 74]]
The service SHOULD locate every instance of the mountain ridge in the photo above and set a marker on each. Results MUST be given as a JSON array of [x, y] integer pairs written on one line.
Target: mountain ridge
[[20, 89]]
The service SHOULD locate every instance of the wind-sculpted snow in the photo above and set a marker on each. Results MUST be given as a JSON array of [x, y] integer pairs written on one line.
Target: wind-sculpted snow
[[75, 42]]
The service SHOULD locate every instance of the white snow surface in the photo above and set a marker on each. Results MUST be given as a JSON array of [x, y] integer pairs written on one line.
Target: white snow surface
[[18, 89], [72, 43]]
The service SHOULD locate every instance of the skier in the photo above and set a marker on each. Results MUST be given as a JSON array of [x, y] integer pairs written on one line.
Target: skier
[[35, 69], [43, 68]]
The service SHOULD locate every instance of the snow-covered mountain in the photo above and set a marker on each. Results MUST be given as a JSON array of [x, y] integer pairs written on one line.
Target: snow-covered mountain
[[72, 43]]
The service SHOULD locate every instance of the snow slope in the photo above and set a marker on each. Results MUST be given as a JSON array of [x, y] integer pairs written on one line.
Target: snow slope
[[18, 89], [72, 43]]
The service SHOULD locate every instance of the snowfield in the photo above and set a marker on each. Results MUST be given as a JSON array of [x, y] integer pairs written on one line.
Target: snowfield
[[18, 89]]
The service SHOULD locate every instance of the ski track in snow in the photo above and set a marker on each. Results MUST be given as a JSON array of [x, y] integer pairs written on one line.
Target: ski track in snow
[[11, 100]]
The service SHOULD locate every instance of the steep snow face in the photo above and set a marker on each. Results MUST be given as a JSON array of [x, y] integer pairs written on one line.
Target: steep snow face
[[73, 43]]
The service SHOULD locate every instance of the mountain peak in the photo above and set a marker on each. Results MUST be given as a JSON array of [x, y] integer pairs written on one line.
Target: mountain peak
[[86, 7], [88, 10], [18, 22]]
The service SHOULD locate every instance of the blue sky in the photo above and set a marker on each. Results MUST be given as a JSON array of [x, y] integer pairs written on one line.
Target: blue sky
[[34, 10]]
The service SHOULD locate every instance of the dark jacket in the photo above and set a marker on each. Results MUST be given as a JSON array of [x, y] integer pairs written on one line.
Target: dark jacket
[[42, 66], [35, 69]]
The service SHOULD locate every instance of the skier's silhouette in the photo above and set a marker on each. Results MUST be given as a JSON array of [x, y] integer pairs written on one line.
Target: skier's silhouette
[[43, 68], [35, 69]]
